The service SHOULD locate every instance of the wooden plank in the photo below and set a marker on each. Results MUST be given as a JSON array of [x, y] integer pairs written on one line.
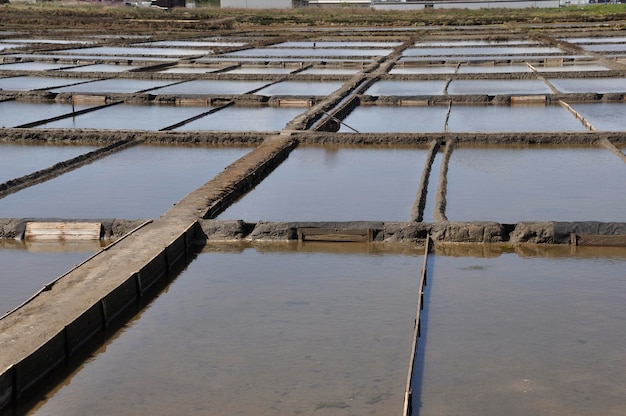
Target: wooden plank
[[335, 234], [63, 230], [599, 240]]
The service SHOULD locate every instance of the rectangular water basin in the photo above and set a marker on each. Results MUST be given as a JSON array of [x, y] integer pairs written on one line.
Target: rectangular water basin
[[245, 119], [309, 53], [407, 119], [17, 113], [535, 184], [102, 68], [130, 117], [31, 66], [604, 116], [397, 88], [304, 332], [425, 69], [597, 85], [123, 51], [36, 83], [27, 267], [336, 184], [474, 42], [211, 87], [507, 335], [189, 70], [331, 71], [262, 70], [513, 118], [301, 88], [140, 182], [115, 86], [337, 44], [492, 69], [17, 160], [487, 50], [497, 86]]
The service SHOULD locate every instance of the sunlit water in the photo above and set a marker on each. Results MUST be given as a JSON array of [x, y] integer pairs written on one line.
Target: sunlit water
[[336, 184], [536, 184], [597, 85], [406, 88], [496, 86], [407, 119], [36, 83], [521, 336], [139, 182], [17, 113], [604, 116], [245, 119], [260, 333], [20, 159]]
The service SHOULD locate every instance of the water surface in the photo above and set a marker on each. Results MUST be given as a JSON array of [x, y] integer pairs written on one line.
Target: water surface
[[17, 113], [302, 332], [211, 87], [536, 184], [391, 88], [497, 86], [245, 119], [520, 336], [597, 85], [336, 184], [604, 116], [140, 182], [300, 88], [115, 86], [36, 83], [405, 119]]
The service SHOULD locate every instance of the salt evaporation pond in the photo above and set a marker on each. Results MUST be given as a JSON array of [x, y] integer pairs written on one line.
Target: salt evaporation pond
[[123, 51], [26, 270], [337, 44], [571, 68], [300, 88], [36, 83], [317, 52], [134, 183], [597, 85], [17, 160], [512, 118], [301, 332], [474, 42], [492, 69], [200, 87], [497, 86], [405, 119], [487, 50], [188, 70], [245, 119], [426, 69], [518, 335], [17, 113], [262, 70], [614, 39], [331, 71], [31, 66], [509, 185], [391, 88], [604, 116], [102, 68], [130, 117], [336, 184], [608, 47], [115, 86]]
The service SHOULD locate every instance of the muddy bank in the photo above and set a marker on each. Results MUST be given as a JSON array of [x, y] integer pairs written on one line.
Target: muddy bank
[[112, 229], [410, 232]]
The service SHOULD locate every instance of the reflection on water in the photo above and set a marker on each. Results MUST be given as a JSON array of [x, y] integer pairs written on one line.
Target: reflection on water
[[245, 119], [535, 184], [139, 182], [507, 335], [497, 86], [27, 267], [604, 116], [35, 83], [260, 333], [17, 113], [336, 184], [408, 119], [597, 85], [19, 159], [300, 88], [406, 88]]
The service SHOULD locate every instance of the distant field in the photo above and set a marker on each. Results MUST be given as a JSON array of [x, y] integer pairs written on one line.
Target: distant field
[[47, 16]]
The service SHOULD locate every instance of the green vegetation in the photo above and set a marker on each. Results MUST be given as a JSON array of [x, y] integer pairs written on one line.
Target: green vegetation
[[61, 15]]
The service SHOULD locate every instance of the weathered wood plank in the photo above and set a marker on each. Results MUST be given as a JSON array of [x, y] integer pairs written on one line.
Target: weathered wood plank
[[63, 230]]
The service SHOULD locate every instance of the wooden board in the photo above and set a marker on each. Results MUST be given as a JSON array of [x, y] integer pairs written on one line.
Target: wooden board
[[63, 230]]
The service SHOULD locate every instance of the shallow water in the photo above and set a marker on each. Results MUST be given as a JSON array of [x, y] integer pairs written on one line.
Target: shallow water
[[26, 269], [17, 113], [245, 119], [102, 68], [301, 88], [496, 86], [505, 118], [488, 50], [130, 117], [123, 51], [188, 70], [115, 86], [521, 336], [535, 184], [261, 70], [36, 83], [311, 52], [20, 159], [31, 66], [338, 44], [323, 71], [604, 116], [406, 119], [430, 69], [336, 184], [211, 87], [474, 42], [190, 43], [571, 68], [611, 39], [266, 332], [597, 85], [140, 182], [484, 69], [391, 88], [605, 47]]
